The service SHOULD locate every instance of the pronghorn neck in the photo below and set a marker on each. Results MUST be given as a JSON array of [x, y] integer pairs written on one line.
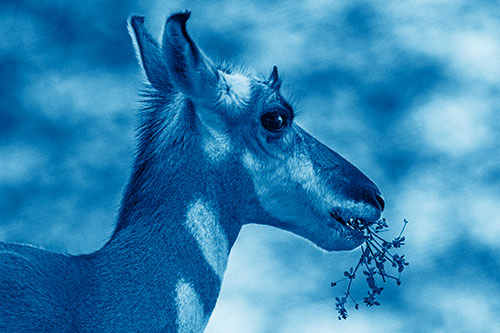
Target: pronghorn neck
[[217, 150], [171, 246]]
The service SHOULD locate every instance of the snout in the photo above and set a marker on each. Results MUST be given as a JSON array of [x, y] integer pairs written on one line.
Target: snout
[[315, 192], [345, 193], [344, 179], [370, 203], [355, 195], [364, 205]]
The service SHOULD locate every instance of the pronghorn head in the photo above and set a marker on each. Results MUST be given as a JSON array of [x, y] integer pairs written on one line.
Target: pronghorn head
[[301, 185]]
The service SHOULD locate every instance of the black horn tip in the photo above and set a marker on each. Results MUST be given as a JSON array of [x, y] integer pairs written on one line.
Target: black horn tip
[[274, 80], [274, 74]]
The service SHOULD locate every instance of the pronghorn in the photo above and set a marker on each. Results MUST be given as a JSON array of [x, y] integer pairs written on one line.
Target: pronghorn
[[217, 149]]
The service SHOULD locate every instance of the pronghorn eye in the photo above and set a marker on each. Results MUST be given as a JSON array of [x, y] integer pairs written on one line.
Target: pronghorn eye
[[273, 121]]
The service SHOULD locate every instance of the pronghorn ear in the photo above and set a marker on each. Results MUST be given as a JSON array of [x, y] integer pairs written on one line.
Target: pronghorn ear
[[274, 80], [149, 54], [190, 71]]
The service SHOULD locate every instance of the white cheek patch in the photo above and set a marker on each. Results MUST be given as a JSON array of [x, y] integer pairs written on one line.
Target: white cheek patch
[[302, 172], [250, 163], [237, 90], [212, 241], [302, 198], [190, 314], [216, 145], [292, 192], [325, 198], [256, 170], [215, 141], [288, 177], [267, 179]]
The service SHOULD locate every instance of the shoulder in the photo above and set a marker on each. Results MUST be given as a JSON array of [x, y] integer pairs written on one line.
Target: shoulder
[[30, 295]]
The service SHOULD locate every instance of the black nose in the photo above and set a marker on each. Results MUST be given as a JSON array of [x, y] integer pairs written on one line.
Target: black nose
[[381, 201]]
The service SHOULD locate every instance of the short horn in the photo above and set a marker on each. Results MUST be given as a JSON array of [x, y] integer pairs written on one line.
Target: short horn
[[274, 80]]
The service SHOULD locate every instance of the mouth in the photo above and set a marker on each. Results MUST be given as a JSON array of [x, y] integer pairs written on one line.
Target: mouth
[[352, 224], [349, 232]]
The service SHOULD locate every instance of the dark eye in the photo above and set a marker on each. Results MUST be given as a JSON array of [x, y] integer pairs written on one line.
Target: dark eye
[[273, 121]]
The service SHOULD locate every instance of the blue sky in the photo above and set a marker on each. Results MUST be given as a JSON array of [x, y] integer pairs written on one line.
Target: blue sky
[[406, 90]]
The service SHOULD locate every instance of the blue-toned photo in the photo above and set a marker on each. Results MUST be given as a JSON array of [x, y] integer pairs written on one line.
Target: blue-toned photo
[[187, 166]]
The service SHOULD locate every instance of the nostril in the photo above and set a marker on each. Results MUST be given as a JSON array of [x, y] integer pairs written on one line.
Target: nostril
[[381, 201]]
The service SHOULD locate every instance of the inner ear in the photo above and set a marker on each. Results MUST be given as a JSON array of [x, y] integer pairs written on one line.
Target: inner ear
[[190, 71]]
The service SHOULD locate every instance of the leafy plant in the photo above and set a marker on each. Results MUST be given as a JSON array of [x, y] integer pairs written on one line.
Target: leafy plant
[[375, 254]]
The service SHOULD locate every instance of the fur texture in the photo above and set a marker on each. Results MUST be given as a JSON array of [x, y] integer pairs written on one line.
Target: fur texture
[[206, 164]]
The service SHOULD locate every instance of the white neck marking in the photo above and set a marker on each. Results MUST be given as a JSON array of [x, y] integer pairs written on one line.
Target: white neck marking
[[212, 241], [190, 314]]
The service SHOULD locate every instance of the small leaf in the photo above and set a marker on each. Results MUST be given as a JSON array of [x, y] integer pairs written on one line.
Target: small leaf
[[371, 282]]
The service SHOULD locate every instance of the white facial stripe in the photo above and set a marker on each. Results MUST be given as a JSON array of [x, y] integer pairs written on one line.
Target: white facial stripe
[[190, 314], [302, 172], [238, 90], [295, 194], [202, 224], [297, 170]]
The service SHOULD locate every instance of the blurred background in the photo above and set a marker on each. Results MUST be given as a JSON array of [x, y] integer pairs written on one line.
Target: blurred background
[[409, 91]]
